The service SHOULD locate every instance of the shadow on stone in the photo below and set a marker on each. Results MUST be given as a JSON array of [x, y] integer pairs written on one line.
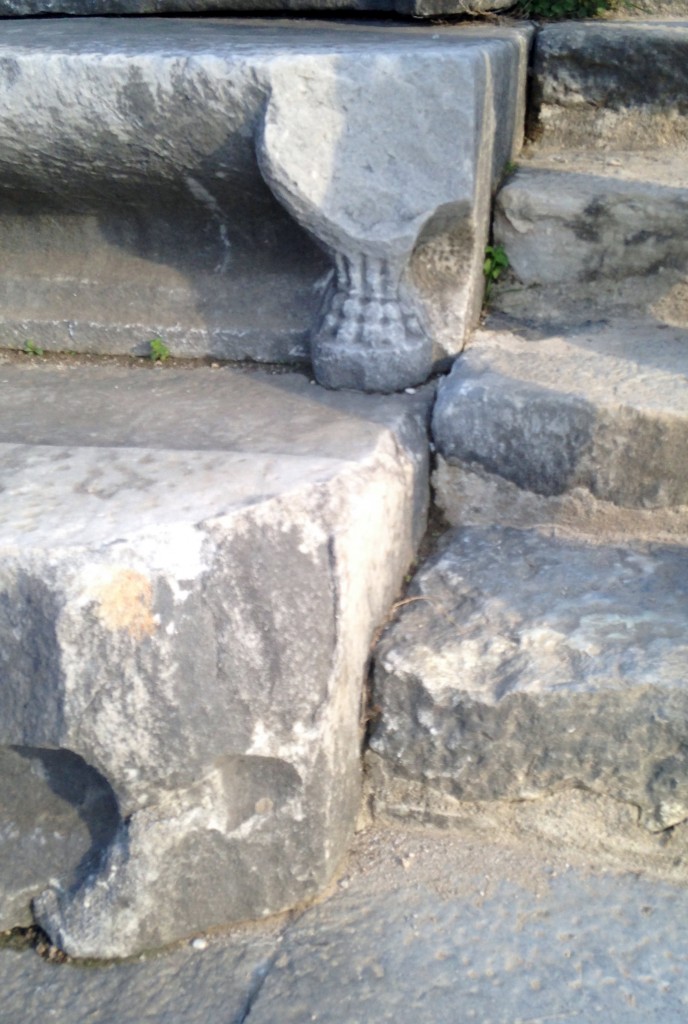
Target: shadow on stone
[[57, 794]]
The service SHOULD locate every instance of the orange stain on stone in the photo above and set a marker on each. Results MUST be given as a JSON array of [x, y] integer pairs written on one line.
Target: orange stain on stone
[[126, 603]]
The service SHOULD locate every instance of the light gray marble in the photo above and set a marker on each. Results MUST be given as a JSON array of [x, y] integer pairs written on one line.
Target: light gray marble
[[266, 190]]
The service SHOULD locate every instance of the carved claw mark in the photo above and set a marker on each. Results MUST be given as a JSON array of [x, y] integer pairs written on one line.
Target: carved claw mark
[[368, 318]]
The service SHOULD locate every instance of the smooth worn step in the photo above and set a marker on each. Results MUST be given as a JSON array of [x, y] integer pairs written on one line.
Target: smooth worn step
[[595, 234], [192, 567], [621, 84], [279, 191], [522, 664], [603, 410]]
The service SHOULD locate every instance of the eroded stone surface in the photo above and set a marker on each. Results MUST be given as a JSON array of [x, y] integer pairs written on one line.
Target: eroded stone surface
[[595, 233], [193, 621], [525, 664], [143, 204], [604, 409], [560, 226]]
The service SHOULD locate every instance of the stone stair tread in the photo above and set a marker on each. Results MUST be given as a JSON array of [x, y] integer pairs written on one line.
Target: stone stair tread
[[192, 566], [619, 83], [603, 233], [667, 167], [632, 365], [605, 409], [196, 408], [138, 450], [523, 663]]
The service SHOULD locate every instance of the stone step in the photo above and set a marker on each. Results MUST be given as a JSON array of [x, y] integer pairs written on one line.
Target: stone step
[[269, 190], [595, 234], [522, 664], [192, 566], [601, 411], [620, 83]]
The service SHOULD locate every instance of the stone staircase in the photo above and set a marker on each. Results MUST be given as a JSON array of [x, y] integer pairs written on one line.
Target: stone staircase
[[543, 648], [195, 559]]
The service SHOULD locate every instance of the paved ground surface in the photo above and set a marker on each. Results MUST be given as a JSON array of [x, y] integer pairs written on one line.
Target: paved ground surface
[[421, 927]]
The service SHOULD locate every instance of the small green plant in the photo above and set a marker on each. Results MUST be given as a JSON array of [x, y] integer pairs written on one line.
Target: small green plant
[[32, 349], [496, 262], [159, 351]]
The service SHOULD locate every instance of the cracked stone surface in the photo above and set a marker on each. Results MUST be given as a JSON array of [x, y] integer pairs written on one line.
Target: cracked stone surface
[[421, 923], [192, 566], [523, 663]]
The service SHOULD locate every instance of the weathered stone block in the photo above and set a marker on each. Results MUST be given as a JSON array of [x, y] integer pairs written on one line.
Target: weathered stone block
[[189, 582], [619, 83], [275, 191], [605, 409], [525, 664], [608, 235], [558, 226]]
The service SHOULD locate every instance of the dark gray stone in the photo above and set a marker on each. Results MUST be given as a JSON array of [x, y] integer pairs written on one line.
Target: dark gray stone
[[613, 65], [193, 621], [189, 985], [523, 664], [443, 938], [56, 815]]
